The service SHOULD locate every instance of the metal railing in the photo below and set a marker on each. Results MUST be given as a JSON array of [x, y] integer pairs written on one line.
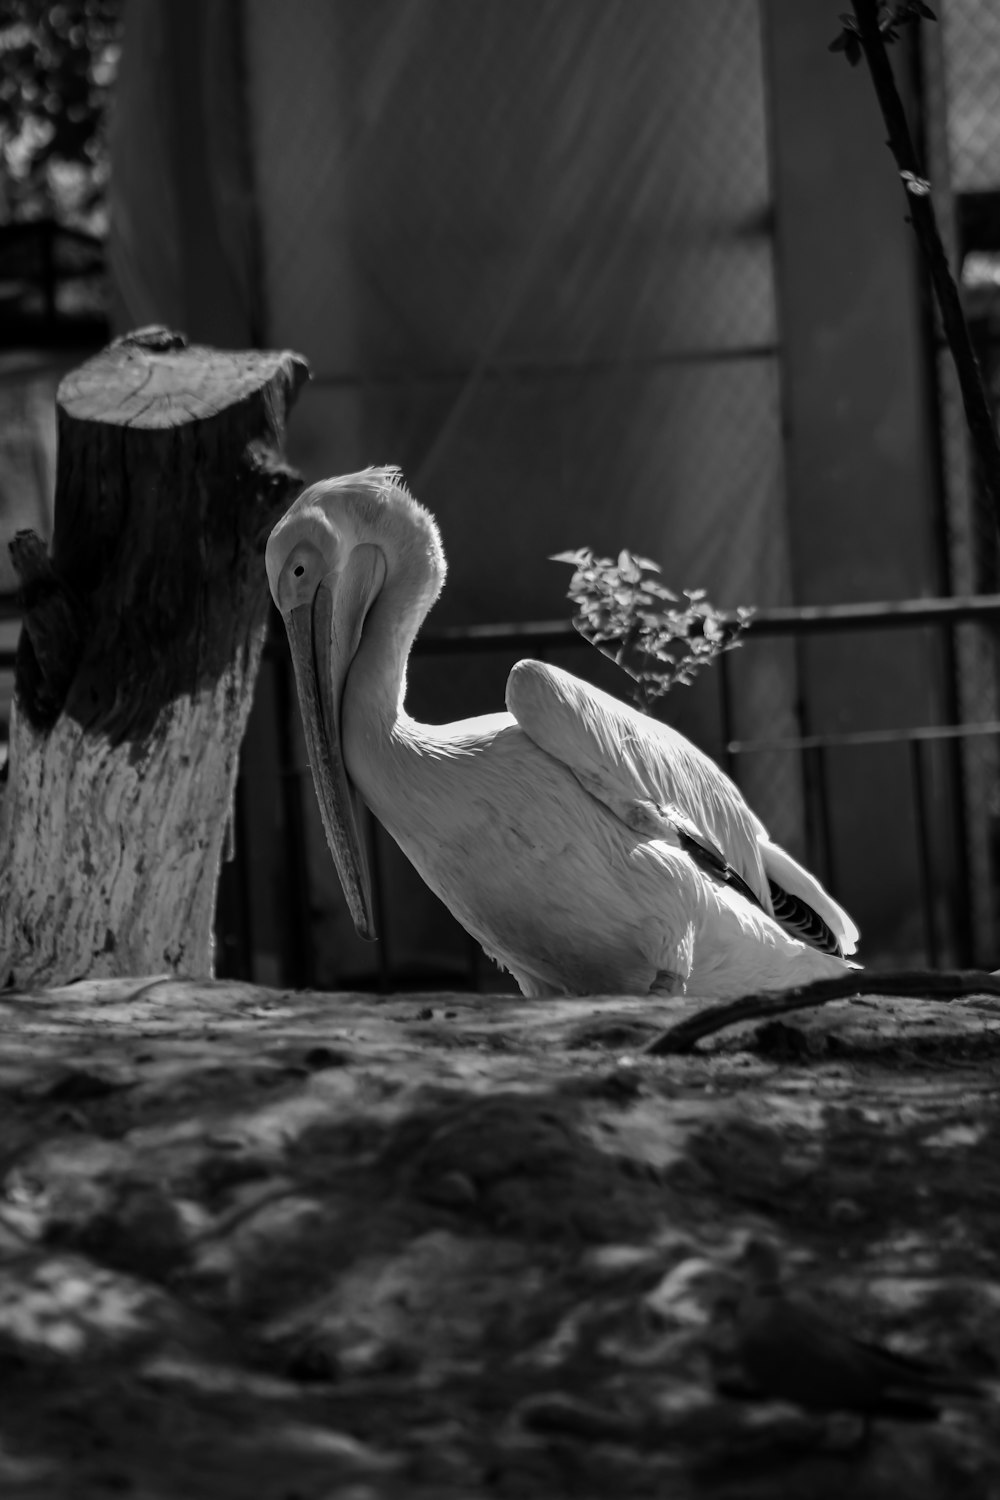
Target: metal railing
[[541, 638], [813, 750]]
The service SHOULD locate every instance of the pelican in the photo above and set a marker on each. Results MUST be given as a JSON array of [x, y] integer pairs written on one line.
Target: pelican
[[587, 848]]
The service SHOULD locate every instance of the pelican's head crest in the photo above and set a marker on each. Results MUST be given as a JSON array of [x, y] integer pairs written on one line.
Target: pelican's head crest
[[373, 507]]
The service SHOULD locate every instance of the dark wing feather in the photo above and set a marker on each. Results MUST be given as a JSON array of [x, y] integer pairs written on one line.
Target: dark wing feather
[[707, 854], [802, 921]]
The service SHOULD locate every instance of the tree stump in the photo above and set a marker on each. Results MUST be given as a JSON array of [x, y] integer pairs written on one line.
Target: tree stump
[[136, 664]]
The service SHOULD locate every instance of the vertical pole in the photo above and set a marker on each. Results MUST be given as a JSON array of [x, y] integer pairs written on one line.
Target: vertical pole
[[924, 852], [726, 712], [815, 768], [233, 912], [298, 958]]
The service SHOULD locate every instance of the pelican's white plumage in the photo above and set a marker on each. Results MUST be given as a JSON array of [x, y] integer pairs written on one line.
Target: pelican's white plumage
[[585, 846]]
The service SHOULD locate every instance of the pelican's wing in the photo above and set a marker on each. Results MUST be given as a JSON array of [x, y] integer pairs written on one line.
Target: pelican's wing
[[622, 757], [627, 760]]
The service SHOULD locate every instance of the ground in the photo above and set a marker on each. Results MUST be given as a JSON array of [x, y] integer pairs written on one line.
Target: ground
[[296, 1246]]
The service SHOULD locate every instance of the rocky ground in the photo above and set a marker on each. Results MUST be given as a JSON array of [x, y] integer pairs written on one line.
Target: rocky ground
[[298, 1246]]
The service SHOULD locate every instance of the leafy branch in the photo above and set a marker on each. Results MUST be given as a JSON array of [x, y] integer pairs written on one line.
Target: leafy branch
[[865, 33], [889, 18], [655, 636]]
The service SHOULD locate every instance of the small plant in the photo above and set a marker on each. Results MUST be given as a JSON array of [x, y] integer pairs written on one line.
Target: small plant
[[642, 626]]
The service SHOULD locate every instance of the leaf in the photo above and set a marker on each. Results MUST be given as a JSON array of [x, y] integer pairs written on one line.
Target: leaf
[[628, 568], [660, 590], [842, 41], [579, 558], [918, 186]]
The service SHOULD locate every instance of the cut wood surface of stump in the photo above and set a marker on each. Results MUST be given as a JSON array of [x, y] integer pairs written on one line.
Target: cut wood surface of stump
[[135, 669]]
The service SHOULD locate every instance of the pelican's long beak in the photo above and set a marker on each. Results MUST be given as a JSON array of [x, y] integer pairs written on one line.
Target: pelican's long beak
[[324, 617]]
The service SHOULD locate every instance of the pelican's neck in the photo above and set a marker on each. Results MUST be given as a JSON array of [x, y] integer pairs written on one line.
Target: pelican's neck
[[375, 691]]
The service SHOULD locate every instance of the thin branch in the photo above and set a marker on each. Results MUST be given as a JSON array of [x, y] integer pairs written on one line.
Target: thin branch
[[907, 984], [978, 412]]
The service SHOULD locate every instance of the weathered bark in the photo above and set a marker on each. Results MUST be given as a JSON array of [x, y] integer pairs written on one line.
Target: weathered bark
[[138, 656]]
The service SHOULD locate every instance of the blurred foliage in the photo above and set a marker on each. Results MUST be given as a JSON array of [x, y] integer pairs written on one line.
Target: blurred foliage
[[57, 68], [624, 610], [890, 19]]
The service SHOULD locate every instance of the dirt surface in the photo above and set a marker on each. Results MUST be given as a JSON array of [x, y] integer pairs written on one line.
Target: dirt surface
[[297, 1246]]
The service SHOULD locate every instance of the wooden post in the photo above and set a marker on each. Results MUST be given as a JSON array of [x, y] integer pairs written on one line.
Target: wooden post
[[136, 664]]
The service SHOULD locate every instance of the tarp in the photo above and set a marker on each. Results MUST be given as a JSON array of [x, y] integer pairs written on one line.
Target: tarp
[[526, 247]]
